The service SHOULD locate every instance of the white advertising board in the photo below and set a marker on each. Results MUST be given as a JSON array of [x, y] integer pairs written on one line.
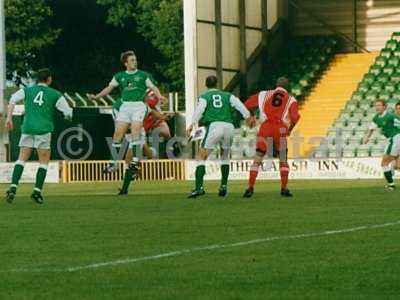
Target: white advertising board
[[345, 168], [29, 174]]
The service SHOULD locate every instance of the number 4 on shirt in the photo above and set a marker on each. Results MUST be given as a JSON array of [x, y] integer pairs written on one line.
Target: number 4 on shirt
[[39, 99]]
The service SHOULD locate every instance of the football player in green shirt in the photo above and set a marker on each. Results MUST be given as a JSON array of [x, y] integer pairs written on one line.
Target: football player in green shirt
[[215, 109], [40, 101], [397, 124], [132, 84], [386, 120]]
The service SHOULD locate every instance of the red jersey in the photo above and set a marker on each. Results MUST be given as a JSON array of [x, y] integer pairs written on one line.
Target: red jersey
[[153, 102], [276, 106], [277, 111]]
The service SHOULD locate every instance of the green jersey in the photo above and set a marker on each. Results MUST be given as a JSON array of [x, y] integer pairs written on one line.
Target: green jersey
[[386, 122], [117, 104], [218, 106], [40, 101], [132, 85]]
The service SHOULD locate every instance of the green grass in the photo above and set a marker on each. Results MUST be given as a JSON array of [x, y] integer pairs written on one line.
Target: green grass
[[82, 224]]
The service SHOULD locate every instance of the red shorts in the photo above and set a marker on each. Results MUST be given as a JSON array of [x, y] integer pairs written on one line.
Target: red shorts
[[272, 135]]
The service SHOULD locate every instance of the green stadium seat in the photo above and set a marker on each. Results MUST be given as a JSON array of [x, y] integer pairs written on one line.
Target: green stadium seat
[[342, 118], [349, 151], [385, 95], [396, 52], [381, 61], [390, 87], [363, 87], [350, 107], [377, 150], [376, 87], [365, 105], [396, 95], [395, 77], [383, 78], [357, 96], [355, 140], [388, 70], [396, 36], [386, 53], [369, 78], [334, 151], [393, 61], [363, 151], [375, 70], [353, 122], [360, 131], [371, 96], [321, 152], [391, 44], [358, 114]]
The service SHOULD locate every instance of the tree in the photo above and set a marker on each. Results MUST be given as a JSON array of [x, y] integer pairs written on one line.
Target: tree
[[28, 31], [161, 23], [86, 54]]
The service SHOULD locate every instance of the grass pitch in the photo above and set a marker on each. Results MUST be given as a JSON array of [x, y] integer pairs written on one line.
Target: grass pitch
[[85, 224]]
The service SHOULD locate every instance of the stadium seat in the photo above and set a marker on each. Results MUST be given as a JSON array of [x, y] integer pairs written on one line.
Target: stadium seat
[[375, 70], [396, 36], [363, 87], [381, 61], [383, 78], [334, 151], [396, 95], [363, 151], [386, 53], [349, 151], [395, 77], [377, 150], [393, 61], [357, 96], [321, 152], [396, 52], [390, 87], [371, 96], [369, 78], [355, 139], [389, 70], [391, 44], [385, 95]]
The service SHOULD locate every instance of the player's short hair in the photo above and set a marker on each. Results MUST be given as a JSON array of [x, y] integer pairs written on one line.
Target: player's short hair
[[124, 56], [43, 74], [211, 81], [282, 82], [398, 104], [381, 101]]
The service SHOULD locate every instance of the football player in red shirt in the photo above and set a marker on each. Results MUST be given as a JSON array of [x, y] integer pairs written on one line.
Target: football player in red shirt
[[279, 113]]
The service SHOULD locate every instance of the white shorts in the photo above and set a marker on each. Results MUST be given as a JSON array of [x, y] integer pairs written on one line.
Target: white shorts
[[393, 146], [218, 134], [132, 112], [42, 141], [142, 137]]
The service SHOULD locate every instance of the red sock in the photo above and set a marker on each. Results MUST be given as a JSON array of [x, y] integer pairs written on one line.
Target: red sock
[[284, 170], [253, 176]]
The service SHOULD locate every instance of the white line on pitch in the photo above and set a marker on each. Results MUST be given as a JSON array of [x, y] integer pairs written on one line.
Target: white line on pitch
[[198, 249]]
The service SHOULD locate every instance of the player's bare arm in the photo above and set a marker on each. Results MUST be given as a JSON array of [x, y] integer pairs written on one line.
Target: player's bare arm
[[106, 91], [15, 98], [9, 122]]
